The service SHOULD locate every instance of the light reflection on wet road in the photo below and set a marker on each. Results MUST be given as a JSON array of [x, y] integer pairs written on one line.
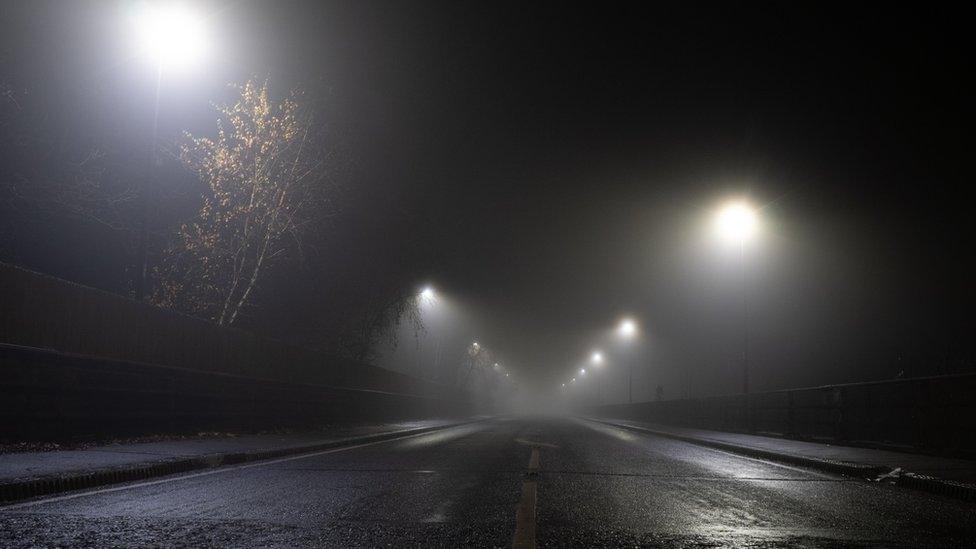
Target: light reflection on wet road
[[597, 485]]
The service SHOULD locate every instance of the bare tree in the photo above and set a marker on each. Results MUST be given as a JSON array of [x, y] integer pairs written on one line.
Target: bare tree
[[266, 188]]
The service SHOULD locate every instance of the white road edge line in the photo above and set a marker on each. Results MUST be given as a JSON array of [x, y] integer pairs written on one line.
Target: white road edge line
[[207, 473], [795, 468]]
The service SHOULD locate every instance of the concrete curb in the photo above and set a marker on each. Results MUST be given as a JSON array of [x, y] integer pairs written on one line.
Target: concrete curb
[[872, 473], [55, 484]]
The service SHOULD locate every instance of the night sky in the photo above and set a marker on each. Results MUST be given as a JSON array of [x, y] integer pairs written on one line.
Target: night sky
[[562, 164]]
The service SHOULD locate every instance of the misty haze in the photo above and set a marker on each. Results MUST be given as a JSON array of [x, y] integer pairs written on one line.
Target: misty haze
[[438, 274]]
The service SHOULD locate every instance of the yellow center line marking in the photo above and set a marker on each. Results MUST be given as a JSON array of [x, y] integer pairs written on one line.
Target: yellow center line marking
[[524, 537], [535, 444]]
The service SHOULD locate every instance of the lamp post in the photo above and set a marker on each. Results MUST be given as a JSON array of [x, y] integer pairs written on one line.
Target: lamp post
[[596, 360], [737, 223], [627, 331], [171, 36], [426, 300]]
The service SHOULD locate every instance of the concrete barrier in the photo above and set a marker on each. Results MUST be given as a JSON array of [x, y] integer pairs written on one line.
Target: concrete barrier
[[46, 395], [76, 362], [45, 312], [935, 415]]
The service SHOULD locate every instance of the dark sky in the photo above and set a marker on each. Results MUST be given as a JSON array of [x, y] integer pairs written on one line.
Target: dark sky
[[563, 162]]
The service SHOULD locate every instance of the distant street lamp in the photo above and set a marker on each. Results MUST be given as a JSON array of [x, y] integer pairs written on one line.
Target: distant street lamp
[[627, 328], [428, 293], [596, 358], [172, 36], [737, 222]]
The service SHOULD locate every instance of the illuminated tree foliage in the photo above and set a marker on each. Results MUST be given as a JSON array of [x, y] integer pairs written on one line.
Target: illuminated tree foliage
[[265, 190]]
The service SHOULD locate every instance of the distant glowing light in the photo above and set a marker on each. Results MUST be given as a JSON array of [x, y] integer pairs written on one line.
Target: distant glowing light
[[582, 371], [573, 380], [497, 367], [564, 384], [736, 221], [506, 374], [171, 34], [596, 358], [627, 328], [428, 293]]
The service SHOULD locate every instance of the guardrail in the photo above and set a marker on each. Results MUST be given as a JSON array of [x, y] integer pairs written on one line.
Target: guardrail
[[931, 415]]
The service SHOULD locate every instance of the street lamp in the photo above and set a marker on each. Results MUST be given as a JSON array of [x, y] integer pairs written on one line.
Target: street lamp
[[582, 371], [737, 222], [627, 331], [172, 37], [627, 328], [427, 293], [596, 358], [171, 34]]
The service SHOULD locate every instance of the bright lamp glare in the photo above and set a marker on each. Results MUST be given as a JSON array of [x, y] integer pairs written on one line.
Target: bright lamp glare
[[427, 293], [596, 358], [582, 371], [736, 221], [627, 328], [170, 34]]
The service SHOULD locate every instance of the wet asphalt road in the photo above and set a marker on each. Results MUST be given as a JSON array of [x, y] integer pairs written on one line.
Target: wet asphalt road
[[597, 486]]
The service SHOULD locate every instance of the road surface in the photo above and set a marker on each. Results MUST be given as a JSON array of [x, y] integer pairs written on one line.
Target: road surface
[[545, 481]]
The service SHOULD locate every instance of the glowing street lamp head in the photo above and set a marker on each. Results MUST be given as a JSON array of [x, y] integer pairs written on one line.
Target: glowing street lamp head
[[564, 384], [627, 328], [582, 371], [427, 293], [170, 33], [573, 380], [596, 358], [736, 221]]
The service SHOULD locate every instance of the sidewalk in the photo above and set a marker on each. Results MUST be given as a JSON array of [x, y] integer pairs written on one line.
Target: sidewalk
[[29, 474], [948, 476]]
